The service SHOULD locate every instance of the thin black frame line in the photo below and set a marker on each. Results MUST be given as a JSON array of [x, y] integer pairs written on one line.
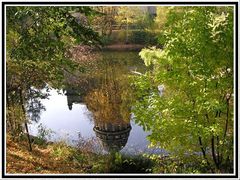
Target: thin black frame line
[[118, 176], [236, 48], [116, 3], [236, 89], [113, 176], [3, 90], [132, 175]]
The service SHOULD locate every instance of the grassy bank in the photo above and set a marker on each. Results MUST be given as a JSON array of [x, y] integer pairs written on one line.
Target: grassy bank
[[58, 158], [52, 158]]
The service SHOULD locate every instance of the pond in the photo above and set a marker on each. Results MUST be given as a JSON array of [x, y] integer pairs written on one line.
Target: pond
[[95, 104]]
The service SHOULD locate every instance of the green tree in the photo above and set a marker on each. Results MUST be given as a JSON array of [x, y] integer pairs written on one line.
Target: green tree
[[129, 14], [160, 23], [195, 113], [40, 37], [38, 43], [161, 17], [105, 20]]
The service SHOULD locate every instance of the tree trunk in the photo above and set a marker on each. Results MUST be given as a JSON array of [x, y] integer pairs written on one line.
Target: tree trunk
[[213, 153], [226, 124], [25, 123], [203, 151]]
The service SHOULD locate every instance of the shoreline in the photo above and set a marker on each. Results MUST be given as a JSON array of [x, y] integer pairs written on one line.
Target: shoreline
[[123, 47]]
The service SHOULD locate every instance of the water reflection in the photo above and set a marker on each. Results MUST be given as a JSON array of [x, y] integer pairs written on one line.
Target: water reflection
[[113, 137], [109, 125], [73, 97], [108, 98], [111, 120], [97, 104]]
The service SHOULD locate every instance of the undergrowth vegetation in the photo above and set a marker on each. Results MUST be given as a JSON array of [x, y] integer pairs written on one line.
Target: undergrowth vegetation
[[59, 157]]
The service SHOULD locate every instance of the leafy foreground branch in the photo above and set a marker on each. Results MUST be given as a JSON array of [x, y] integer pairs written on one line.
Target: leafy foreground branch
[[38, 53], [195, 115]]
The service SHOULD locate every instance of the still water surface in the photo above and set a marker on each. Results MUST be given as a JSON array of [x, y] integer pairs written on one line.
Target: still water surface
[[96, 104]]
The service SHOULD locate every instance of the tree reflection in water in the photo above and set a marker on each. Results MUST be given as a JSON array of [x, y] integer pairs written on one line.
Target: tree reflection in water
[[107, 94], [111, 120]]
